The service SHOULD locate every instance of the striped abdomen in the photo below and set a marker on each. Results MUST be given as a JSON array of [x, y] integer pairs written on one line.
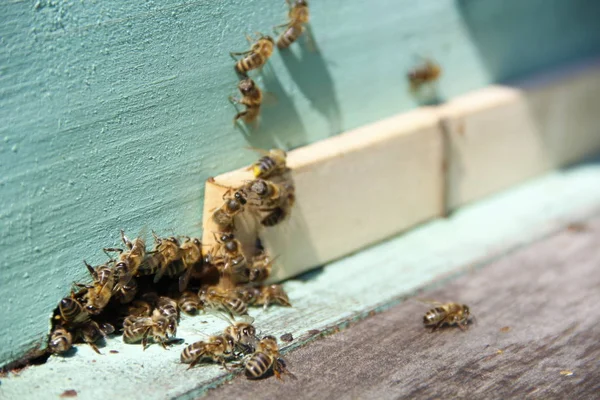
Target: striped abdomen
[[258, 365], [434, 316], [71, 311], [189, 303], [193, 352], [250, 62], [291, 34], [60, 340]]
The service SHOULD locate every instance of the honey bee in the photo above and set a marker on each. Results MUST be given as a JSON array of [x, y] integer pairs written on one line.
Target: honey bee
[[427, 73], [273, 198], [224, 215], [139, 308], [252, 98], [127, 292], [260, 267], [447, 314], [191, 257], [129, 261], [189, 303], [164, 259], [273, 294], [167, 308], [98, 295], [137, 329], [72, 312], [227, 256], [243, 334], [248, 294], [298, 16], [256, 57], [272, 163], [91, 332], [266, 358], [218, 349], [220, 299], [60, 340]]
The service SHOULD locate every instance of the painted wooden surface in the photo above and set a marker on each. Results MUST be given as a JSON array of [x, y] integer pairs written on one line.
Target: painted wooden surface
[[376, 181], [426, 257], [114, 113], [535, 336], [352, 191]]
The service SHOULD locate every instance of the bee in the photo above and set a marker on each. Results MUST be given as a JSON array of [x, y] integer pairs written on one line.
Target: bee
[[217, 298], [273, 198], [216, 348], [447, 314], [273, 294], [189, 303], [427, 73], [165, 257], [91, 332], [129, 261], [191, 258], [127, 292], [243, 334], [272, 163], [260, 267], [98, 295], [223, 216], [252, 98], [137, 329], [264, 359], [60, 340], [248, 294], [72, 312], [227, 256], [139, 308], [167, 307], [256, 57], [298, 16]]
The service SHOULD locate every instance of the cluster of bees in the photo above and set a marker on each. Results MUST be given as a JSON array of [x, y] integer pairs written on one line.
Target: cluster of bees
[[257, 56], [144, 291]]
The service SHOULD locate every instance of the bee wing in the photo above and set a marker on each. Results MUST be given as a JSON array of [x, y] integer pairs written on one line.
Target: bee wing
[[184, 279], [262, 152]]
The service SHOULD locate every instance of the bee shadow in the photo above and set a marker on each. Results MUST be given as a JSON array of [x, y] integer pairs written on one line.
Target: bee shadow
[[279, 124], [312, 76]]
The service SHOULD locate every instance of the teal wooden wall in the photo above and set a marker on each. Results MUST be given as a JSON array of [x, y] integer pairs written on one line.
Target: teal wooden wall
[[114, 113]]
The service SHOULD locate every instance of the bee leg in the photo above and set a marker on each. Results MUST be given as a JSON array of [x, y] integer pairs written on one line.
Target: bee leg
[[126, 240], [277, 28], [241, 53], [239, 115], [462, 326], [94, 347], [111, 249]]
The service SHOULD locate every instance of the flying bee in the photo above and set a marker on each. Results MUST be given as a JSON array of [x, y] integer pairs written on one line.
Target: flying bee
[[447, 314], [220, 299], [256, 57], [191, 258], [216, 348], [272, 163], [129, 261], [252, 98], [127, 292], [60, 340], [273, 294], [189, 303], [98, 295], [429, 72], [164, 259], [298, 16], [264, 359], [225, 214]]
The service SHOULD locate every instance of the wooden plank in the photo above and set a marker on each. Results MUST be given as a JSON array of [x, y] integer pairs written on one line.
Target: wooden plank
[[343, 291], [392, 167], [500, 136], [536, 336]]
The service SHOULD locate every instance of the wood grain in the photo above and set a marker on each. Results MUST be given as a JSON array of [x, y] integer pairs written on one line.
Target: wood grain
[[537, 322]]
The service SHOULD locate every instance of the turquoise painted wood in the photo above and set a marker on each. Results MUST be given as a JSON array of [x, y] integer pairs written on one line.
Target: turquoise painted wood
[[343, 291], [114, 113]]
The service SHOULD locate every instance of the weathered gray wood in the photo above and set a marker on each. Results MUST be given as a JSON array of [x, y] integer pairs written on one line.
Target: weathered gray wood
[[548, 295]]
